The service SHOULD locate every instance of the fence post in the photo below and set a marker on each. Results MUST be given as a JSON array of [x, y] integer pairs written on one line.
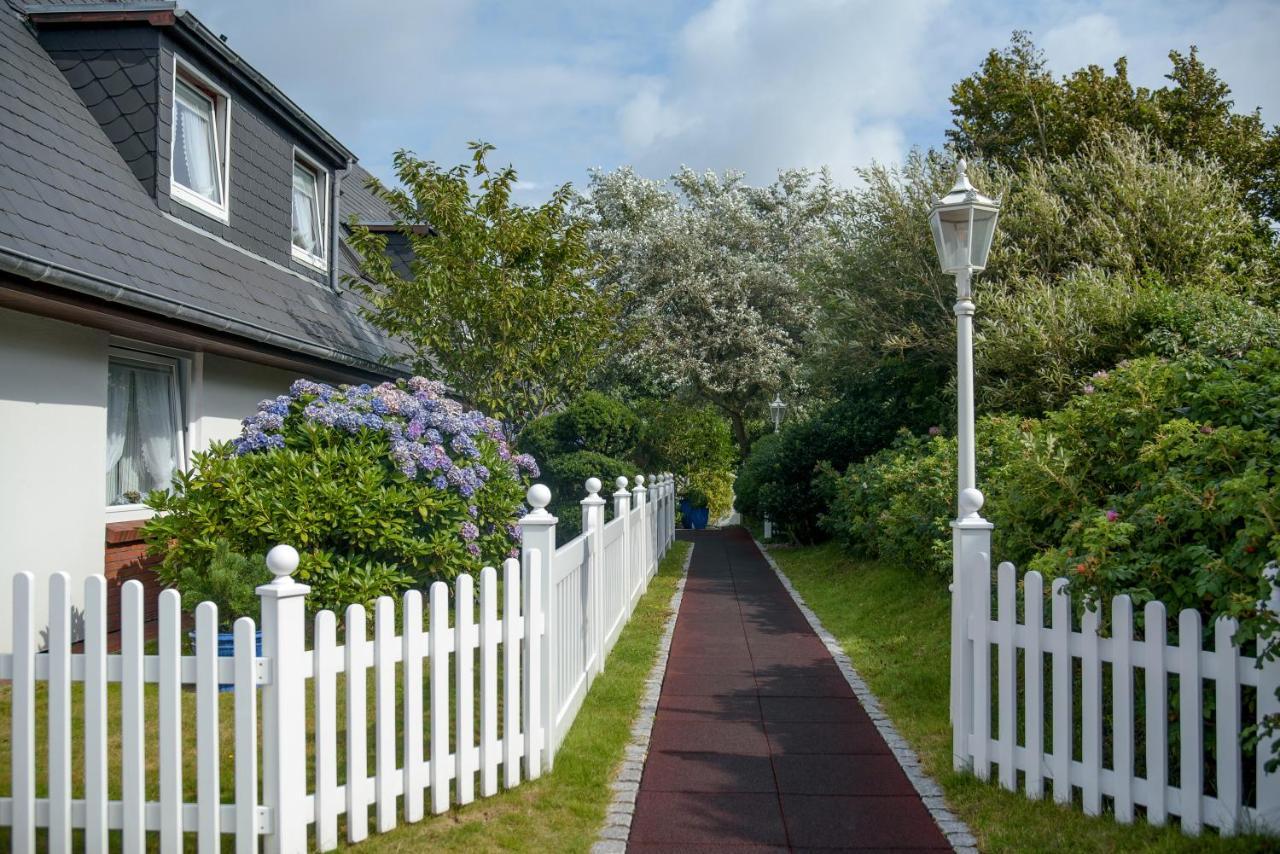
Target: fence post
[[284, 703], [970, 601], [1268, 787], [538, 542], [593, 524], [641, 565], [651, 532], [621, 510]]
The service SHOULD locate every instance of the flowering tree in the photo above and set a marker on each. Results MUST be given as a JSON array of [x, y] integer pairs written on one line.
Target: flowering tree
[[499, 299], [715, 271], [377, 487]]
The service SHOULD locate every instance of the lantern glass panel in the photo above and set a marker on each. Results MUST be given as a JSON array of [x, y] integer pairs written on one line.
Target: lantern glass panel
[[984, 228], [951, 238]]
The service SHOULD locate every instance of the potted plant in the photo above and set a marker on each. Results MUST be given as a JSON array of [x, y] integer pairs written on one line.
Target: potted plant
[[693, 507], [229, 581]]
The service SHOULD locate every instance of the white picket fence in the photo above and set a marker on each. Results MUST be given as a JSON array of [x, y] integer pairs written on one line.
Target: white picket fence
[[1076, 660], [529, 669]]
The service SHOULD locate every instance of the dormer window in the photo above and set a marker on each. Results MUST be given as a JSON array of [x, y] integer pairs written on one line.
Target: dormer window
[[310, 212], [200, 141]]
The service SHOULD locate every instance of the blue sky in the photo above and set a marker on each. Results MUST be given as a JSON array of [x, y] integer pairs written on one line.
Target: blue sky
[[561, 86]]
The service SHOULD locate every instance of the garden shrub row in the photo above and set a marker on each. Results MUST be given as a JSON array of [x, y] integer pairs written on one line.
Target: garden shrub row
[[1161, 479]]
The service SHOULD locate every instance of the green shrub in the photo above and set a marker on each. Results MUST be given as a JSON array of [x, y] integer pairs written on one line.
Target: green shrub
[[566, 474], [1161, 479], [377, 488], [778, 476], [230, 581]]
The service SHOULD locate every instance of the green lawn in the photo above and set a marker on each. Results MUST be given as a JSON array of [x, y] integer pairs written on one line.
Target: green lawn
[[896, 626], [561, 811]]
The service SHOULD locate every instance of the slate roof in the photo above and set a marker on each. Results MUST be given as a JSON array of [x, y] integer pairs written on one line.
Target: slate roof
[[69, 204]]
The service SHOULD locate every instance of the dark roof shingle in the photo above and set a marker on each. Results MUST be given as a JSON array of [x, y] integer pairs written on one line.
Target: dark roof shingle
[[69, 200]]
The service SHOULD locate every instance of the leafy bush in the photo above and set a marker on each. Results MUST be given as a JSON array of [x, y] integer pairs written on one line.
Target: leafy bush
[[230, 581], [378, 489], [778, 476], [1161, 479], [695, 443]]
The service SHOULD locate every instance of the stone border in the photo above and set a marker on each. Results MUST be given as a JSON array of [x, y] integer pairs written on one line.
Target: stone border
[[612, 838], [956, 831]]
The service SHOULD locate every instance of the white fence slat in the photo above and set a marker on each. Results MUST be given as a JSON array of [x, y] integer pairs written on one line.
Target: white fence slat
[[95, 712], [1227, 719], [325, 666], [1157, 713], [246, 736], [1268, 783], [1091, 711], [1122, 706], [133, 759], [208, 780], [415, 778], [384, 710], [488, 682], [1190, 723], [438, 640], [354, 652], [533, 675], [1033, 666], [511, 673], [23, 718], [1006, 656], [170, 721], [464, 666], [1063, 695], [982, 674], [59, 706]]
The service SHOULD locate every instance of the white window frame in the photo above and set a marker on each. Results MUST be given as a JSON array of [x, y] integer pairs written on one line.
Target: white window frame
[[317, 262], [222, 142], [182, 382]]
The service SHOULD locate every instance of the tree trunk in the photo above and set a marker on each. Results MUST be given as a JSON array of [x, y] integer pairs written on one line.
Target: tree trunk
[[740, 432]]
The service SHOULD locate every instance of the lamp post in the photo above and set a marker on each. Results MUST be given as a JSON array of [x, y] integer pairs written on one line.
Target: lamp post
[[963, 223], [777, 409]]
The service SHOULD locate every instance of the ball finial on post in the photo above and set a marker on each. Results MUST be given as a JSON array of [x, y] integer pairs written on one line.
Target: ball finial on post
[[621, 482], [971, 501], [282, 560], [593, 485], [538, 496], [639, 480]]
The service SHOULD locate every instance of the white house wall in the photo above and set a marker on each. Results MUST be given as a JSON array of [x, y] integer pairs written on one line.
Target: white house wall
[[53, 428], [53, 435]]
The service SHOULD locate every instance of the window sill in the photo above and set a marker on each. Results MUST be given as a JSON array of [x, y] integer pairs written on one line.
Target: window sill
[[198, 203], [304, 257], [129, 513]]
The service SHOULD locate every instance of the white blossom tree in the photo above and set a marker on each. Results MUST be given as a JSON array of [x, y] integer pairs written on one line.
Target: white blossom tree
[[715, 272]]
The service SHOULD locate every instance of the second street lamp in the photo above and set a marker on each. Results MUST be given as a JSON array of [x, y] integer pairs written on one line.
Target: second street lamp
[[777, 408], [963, 223]]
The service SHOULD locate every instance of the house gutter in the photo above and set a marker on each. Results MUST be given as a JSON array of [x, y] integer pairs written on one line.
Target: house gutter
[[35, 269]]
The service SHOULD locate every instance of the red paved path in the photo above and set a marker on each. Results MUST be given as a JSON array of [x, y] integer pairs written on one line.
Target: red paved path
[[758, 743]]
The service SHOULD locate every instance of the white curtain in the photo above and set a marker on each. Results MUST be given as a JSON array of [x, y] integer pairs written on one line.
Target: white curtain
[[195, 138], [156, 427], [117, 413], [304, 211]]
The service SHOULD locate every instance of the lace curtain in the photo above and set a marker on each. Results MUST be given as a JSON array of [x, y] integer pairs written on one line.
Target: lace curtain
[[142, 431], [194, 153], [306, 231]]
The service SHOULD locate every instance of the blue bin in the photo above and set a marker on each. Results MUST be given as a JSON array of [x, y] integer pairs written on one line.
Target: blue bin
[[227, 649]]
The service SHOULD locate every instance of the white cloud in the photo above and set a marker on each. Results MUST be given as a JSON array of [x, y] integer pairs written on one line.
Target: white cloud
[[758, 86]]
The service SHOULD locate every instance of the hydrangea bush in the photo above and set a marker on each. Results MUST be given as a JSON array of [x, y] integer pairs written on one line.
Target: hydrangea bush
[[378, 487]]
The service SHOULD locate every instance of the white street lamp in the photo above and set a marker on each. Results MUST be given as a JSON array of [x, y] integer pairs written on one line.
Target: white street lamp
[[777, 408], [963, 223]]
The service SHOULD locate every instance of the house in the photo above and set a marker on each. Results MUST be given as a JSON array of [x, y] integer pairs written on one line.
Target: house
[[171, 252]]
